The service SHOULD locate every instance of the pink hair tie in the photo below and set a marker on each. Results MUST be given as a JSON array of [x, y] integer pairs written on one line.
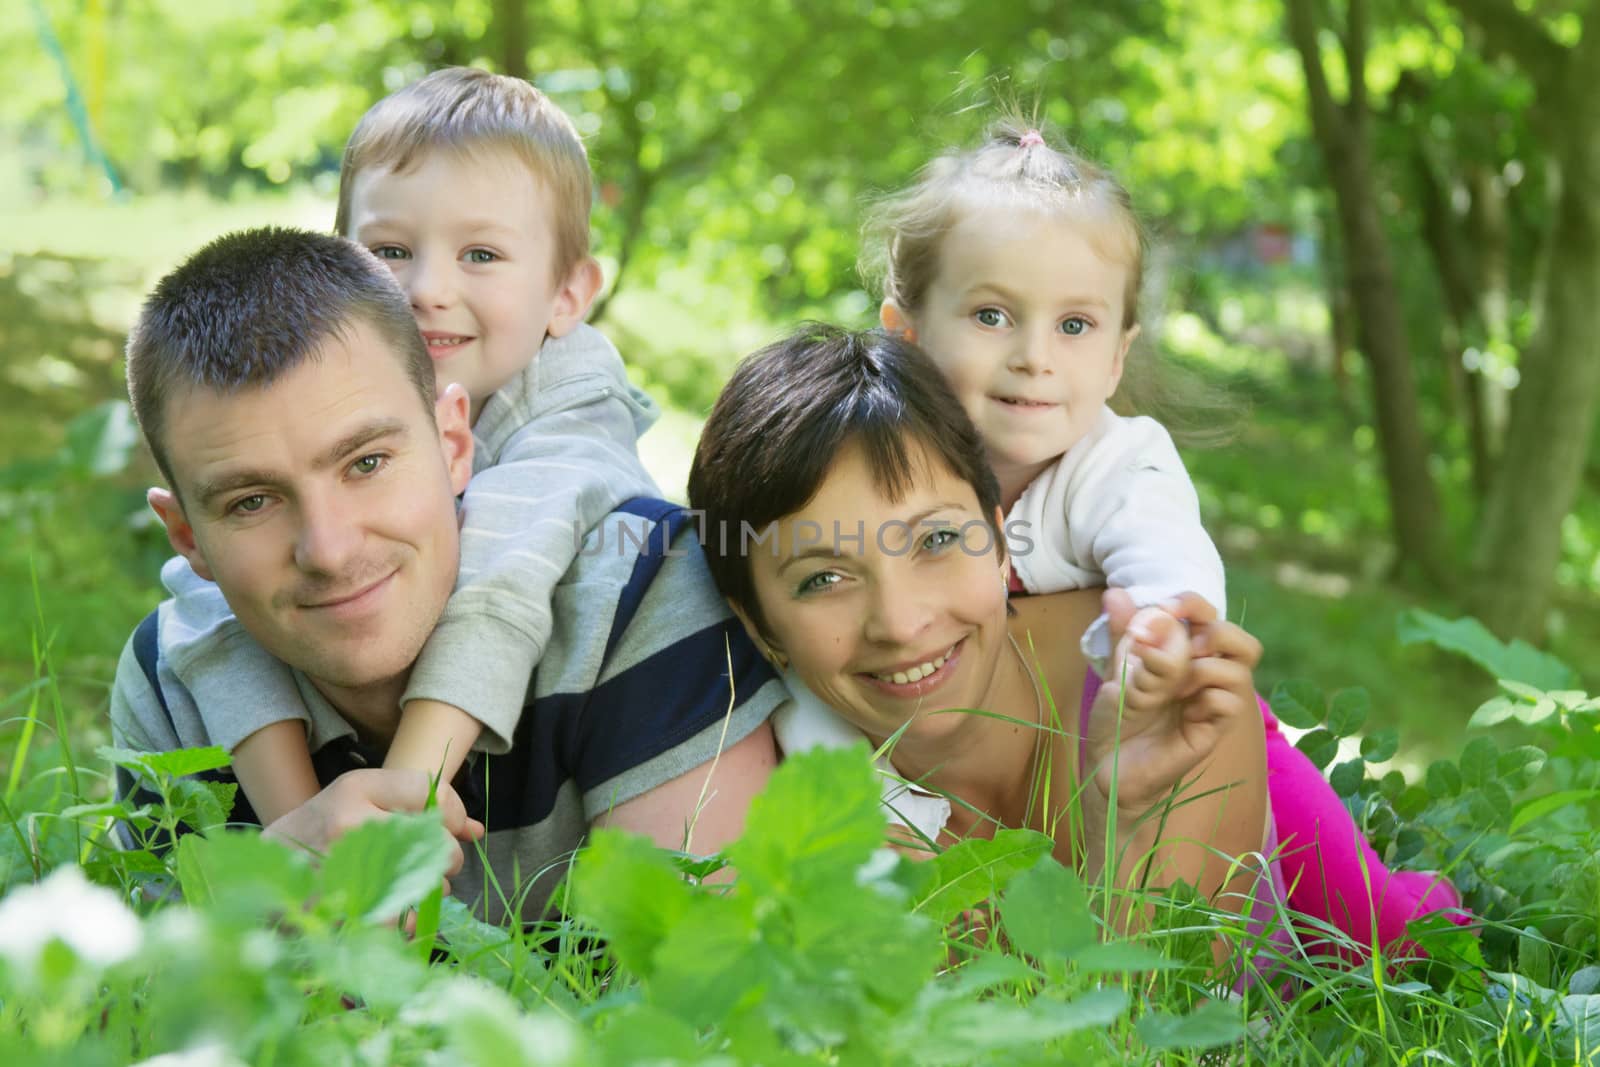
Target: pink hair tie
[[1029, 139]]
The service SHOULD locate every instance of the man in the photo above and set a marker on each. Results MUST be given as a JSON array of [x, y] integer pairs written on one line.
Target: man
[[289, 400]]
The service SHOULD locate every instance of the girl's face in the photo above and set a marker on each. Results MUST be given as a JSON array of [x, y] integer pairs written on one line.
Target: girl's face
[[887, 609], [1024, 316]]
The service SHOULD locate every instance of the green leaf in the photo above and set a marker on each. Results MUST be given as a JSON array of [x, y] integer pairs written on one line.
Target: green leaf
[[1347, 777], [1121, 957], [1298, 704], [1319, 746], [1348, 711], [976, 869], [1518, 661], [819, 815], [1493, 712], [631, 892], [1479, 761], [1214, 1023], [1380, 745], [959, 1033], [1539, 807], [1046, 911], [1443, 779], [178, 763], [1521, 764], [203, 805], [984, 974], [241, 873], [709, 962], [383, 866]]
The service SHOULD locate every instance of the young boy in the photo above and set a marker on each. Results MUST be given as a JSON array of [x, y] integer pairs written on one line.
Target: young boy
[[475, 189]]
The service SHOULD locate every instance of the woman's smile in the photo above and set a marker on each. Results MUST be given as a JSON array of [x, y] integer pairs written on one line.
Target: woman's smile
[[918, 678]]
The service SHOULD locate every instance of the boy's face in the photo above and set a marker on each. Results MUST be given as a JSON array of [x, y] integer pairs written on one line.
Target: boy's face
[[470, 237], [323, 506]]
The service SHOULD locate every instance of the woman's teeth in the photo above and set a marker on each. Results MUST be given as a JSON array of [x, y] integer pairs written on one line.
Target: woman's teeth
[[917, 673]]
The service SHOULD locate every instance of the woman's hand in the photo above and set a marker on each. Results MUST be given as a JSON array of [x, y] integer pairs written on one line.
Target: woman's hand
[[1180, 680]]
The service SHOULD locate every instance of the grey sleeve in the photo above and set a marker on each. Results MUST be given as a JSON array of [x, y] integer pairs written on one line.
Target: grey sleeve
[[523, 521], [237, 686]]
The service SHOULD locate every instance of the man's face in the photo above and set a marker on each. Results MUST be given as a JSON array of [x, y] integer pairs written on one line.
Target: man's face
[[323, 507]]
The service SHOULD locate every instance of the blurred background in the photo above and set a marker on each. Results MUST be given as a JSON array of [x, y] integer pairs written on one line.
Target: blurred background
[[1376, 224]]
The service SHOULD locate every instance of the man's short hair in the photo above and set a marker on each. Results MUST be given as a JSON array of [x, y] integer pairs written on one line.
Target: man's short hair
[[790, 409], [251, 306], [462, 109]]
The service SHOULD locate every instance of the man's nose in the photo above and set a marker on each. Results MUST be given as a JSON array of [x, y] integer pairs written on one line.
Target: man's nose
[[329, 537]]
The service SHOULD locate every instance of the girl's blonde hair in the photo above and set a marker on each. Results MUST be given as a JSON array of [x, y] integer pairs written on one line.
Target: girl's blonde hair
[[1018, 166]]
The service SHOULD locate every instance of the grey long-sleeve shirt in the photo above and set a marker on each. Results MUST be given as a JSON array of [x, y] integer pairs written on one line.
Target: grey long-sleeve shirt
[[556, 451]]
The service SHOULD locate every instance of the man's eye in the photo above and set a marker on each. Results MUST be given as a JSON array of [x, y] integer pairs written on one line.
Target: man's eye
[[390, 252], [481, 255], [992, 317], [1075, 326], [249, 505], [368, 464], [818, 582]]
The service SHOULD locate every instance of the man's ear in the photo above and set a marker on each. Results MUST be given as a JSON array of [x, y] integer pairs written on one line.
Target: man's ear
[[574, 297], [1121, 361], [896, 321], [452, 414], [165, 504]]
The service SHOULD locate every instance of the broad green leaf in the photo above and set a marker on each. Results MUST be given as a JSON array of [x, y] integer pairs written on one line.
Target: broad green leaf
[[1121, 957], [383, 866], [818, 815], [1479, 761], [975, 869], [1522, 763], [630, 890], [178, 763], [1539, 807], [982, 975], [1518, 661], [1298, 703], [1347, 711], [1319, 746], [960, 1033], [1493, 712], [1046, 911], [709, 962], [242, 873], [1443, 779], [203, 805], [1380, 745], [1346, 778], [1214, 1023]]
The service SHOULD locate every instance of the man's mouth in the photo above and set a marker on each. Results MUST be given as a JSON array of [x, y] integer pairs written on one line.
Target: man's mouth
[[346, 600]]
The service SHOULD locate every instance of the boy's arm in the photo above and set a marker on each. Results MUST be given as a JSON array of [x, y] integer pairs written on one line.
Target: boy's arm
[[273, 766], [553, 479], [432, 737]]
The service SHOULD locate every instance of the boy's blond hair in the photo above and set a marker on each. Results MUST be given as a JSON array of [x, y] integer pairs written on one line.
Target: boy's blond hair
[[463, 109]]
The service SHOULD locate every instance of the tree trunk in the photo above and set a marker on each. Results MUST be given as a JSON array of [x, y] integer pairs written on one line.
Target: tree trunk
[[511, 26], [1553, 407], [1341, 134]]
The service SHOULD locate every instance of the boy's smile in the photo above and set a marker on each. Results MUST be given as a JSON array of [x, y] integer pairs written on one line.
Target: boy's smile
[[470, 236]]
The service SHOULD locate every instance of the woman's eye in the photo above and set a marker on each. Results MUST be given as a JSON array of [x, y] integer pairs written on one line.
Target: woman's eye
[[992, 317], [818, 582], [390, 252], [940, 539], [481, 255], [368, 464], [1075, 326]]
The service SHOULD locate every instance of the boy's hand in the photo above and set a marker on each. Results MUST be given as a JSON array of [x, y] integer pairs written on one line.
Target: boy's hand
[[357, 796]]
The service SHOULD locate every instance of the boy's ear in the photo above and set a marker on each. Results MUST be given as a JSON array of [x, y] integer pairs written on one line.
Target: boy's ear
[[179, 533], [574, 297], [452, 414], [896, 321], [1128, 337]]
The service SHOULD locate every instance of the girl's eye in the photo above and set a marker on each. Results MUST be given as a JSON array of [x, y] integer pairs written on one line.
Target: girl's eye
[[940, 539], [480, 255], [992, 317], [816, 583], [390, 252], [368, 464], [1075, 326], [248, 505]]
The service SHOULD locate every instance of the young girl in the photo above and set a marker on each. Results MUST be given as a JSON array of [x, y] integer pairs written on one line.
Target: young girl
[[1017, 267]]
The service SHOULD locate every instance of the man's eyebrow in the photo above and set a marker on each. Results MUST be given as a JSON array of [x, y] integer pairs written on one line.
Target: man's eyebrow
[[360, 437]]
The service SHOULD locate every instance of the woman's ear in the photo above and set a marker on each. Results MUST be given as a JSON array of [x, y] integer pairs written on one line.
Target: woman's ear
[[764, 645], [896, 321], [1001, 546]]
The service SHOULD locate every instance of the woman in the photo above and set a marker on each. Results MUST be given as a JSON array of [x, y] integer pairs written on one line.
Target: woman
[[853, 524]]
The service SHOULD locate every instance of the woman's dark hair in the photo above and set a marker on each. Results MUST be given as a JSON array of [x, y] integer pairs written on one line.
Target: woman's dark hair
[[791, 408]]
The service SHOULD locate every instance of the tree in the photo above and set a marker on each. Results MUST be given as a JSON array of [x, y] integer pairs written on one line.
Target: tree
[[1342, 131]]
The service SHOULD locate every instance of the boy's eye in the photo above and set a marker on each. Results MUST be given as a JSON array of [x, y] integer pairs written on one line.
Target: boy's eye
[[818, 582], [367, 464], [480, 255], [1075, 326], [390, 252], [992, 317]]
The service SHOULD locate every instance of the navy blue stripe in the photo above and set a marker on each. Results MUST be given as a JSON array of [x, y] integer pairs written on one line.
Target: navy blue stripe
[[669, 519]]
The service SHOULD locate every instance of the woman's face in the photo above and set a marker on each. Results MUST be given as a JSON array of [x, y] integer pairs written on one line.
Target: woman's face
[[887, 609]]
